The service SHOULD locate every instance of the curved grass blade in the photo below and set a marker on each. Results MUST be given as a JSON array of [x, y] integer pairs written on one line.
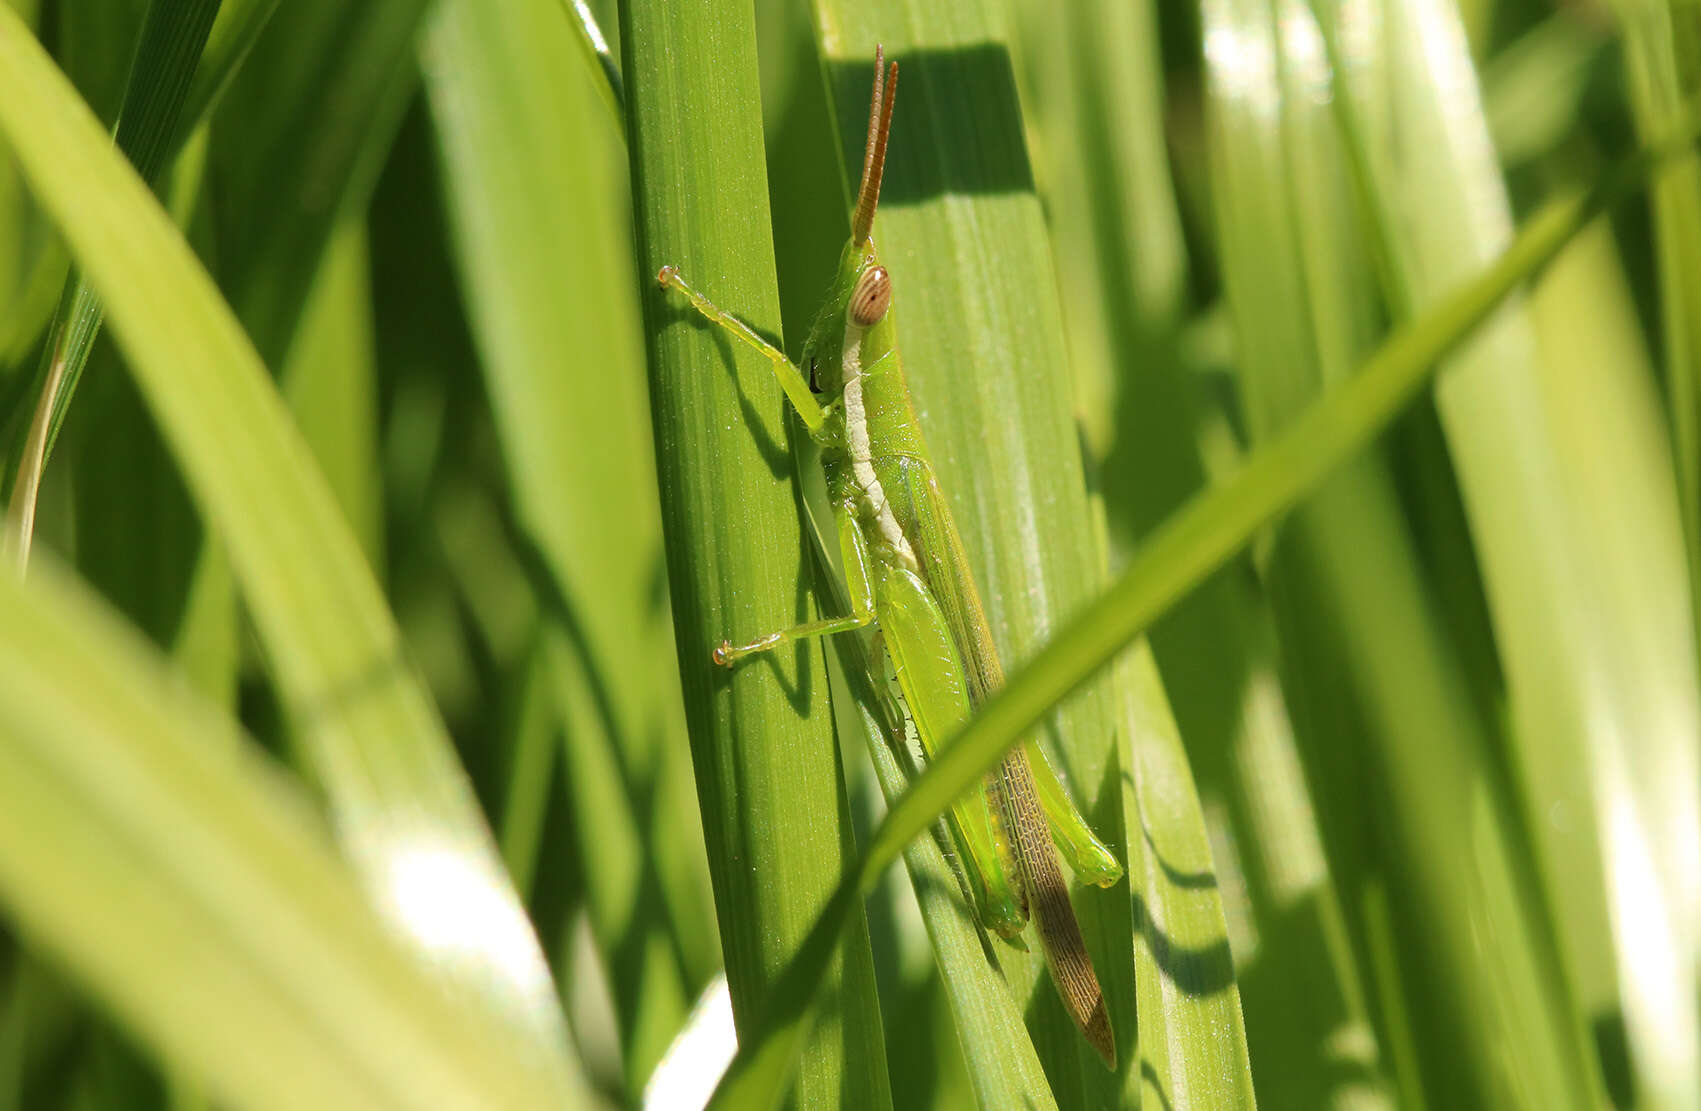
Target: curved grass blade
[[1181, 554], [158, 114], [195, 892], [768, 778], [533, 170], [399, 796]]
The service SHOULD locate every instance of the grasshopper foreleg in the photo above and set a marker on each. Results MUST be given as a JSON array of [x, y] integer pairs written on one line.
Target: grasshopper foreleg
[[791, 379], [854, 550]]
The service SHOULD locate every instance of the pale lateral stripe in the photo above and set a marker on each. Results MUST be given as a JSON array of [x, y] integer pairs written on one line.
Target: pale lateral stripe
[[861, 454]]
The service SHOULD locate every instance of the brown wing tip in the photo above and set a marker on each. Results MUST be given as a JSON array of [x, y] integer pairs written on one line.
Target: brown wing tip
[[1100, 1036]]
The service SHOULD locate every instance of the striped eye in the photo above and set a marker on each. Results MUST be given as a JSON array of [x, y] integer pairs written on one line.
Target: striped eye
[[871, 298]]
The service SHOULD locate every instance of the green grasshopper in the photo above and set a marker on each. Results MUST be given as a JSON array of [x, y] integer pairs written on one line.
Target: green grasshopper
[[906, 571]]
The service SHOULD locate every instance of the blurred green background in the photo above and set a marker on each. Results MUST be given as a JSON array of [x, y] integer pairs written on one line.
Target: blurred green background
[[359, 743]]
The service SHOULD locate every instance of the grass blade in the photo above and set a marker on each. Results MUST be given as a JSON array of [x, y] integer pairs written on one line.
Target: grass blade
[[762, 740], [1356, 612], [234, 33], [367, 724], [1600, 666], [534, 169], [294, 159], [195, 892]]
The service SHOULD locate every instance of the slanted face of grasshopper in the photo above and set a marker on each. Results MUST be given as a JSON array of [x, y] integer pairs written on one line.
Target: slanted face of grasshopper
[[907, 572]]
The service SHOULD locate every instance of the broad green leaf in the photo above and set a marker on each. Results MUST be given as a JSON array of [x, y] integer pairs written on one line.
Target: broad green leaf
[[768, 777], [398, 795], [195, 892]]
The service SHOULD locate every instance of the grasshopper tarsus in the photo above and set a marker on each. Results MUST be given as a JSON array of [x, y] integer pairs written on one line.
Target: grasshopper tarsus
[[666, 275]]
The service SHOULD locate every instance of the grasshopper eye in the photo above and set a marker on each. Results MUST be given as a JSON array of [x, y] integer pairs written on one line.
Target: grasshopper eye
[[871, 297]]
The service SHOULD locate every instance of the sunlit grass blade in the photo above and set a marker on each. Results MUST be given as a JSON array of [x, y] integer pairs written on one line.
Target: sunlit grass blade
[[1596, 635], [1193, 1048], [763, 747], [1358, 626], [195, 892], [535, 175], [1177, 557], [367, 725], [1586, 288], [1663, 68]]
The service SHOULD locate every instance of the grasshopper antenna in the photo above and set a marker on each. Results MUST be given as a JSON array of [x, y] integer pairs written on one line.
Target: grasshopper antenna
[[874, 155]]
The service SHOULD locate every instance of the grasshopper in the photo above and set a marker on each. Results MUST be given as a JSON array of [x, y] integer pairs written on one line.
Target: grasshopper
[[906, 572]]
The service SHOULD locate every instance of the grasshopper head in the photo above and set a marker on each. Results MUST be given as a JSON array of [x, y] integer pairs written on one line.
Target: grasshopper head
[[870, 289], [861, 293]]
